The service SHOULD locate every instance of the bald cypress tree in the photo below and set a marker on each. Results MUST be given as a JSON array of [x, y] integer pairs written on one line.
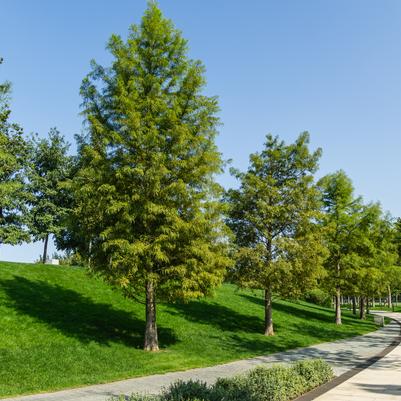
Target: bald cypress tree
[[145, 192], [273, 215]]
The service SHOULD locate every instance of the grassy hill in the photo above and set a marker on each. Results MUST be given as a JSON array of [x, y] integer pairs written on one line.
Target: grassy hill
[[60, 328]]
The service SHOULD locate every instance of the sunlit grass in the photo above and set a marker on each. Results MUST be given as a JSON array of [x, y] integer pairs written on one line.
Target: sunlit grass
[[60, 328]]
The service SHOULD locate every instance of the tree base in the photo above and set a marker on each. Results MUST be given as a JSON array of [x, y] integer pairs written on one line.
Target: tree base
[[151, 348], [269, 332]]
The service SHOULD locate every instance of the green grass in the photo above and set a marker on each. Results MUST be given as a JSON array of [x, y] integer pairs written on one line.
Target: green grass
[[59, 328], [385, 308]]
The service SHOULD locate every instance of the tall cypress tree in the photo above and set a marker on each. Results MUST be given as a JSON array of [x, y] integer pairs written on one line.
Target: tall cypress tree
[[345, 223], [273, 216], [146, 192], [13, 158]]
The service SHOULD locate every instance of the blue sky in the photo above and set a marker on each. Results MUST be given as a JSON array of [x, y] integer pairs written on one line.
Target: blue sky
[[283, 66]]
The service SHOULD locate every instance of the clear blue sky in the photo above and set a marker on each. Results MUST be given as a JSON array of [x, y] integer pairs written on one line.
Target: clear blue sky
[[283, 66]]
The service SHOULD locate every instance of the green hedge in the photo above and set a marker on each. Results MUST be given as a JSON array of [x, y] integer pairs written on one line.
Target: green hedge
[[278, 383]]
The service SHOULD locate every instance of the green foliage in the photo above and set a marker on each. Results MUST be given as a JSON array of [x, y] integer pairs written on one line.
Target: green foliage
[[70, 259], [392, 277], [145, 192], [277, 383], [341, 220], [60, 320], [359, 238], [49, 168], [187, 390], [315, 372], [235, 389], [397, 239], [273, 216], [318, 296], [13, 159]]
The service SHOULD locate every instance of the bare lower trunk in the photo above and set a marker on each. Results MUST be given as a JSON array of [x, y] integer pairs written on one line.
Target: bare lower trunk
[[354, 305], [46, 242], [362, 309], [338, 306], [151, 340], [390, 303], [269, 331]]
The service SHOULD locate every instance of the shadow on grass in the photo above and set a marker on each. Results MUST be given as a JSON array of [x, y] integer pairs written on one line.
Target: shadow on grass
[[219, 316], [76, 315], [309, 313]]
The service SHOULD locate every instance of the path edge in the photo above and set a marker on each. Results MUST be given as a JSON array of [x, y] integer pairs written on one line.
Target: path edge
[[324, 388]]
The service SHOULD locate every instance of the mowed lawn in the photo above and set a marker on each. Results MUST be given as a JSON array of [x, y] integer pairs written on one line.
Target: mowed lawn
[[60, 328]]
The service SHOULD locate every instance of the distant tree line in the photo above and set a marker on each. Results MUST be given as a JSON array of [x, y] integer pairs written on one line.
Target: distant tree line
[[138, 203]]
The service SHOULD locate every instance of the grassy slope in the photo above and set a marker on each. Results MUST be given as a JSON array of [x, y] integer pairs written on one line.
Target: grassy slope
[[396, 308], [59, 328]]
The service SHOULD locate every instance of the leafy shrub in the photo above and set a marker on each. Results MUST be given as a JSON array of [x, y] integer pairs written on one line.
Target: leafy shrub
[[278, 383], [232, 389], [318, 297], [187, 391], [315, 372]]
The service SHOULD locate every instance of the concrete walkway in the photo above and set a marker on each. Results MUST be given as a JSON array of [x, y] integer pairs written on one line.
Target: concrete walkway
[[343, 355], [380, 381]]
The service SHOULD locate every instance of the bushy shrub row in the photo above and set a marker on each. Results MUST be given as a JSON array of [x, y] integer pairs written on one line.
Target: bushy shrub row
[[279, 383]]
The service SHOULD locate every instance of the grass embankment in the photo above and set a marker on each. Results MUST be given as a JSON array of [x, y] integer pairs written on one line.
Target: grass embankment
[[59, 328], [395, 308]]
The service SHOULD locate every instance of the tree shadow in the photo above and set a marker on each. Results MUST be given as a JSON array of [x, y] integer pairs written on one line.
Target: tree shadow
[[219, 316], [384, 389], [311, 313], [235, 325], [78, 316]]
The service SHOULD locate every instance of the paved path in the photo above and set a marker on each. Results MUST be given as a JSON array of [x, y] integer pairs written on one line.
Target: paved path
[[343, 355], [380, 381]]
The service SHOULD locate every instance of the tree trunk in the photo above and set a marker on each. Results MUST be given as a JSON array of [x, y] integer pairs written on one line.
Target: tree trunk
[[390, 303], [269, 331], [354, 305], [373, 302], [46, 242], [367, 305], [151, 340], [362, 310], [338, 306]]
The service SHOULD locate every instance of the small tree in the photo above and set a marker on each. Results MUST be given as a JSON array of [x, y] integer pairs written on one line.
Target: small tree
[[50, 166], [13, 159], [72, 237], [385, 252], [145, 190], [341, 222], [377, 253], [272, 215]]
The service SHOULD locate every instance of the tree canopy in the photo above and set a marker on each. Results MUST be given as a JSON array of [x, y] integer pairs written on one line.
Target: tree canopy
[[146, 189], [48, 169], [13, 159], [273, 216]]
